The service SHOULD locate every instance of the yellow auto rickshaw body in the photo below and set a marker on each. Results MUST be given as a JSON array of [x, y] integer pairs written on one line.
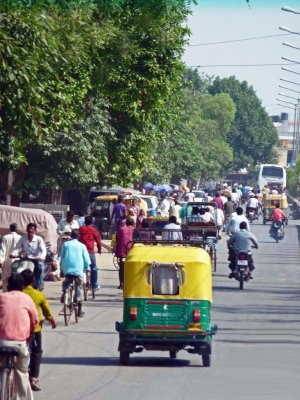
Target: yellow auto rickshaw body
[[167, 300], [196, 266], [269, 203]]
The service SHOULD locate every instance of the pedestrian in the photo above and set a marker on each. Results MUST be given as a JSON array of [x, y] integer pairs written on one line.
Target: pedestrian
[[35, 249], [117, 213], [123, 237], [88, 235], [175, 210], [35, 345], [18, 319], [9, 242], [64, 229]]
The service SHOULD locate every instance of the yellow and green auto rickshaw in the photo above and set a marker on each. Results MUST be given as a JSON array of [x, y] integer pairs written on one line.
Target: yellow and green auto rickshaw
[[167, 300], [269, 203]]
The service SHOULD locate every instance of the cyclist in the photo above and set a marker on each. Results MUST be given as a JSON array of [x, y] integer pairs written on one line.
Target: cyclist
[[18, 318], [74, 260], [35, 344], [88, 235]]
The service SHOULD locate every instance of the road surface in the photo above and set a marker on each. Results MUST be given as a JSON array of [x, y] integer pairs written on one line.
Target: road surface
[[256, 352]]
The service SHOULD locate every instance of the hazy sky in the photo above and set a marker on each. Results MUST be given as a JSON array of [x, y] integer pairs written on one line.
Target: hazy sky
[[226, 20]]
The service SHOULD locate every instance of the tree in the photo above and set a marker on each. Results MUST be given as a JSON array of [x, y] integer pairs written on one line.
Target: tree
[[252, 135]]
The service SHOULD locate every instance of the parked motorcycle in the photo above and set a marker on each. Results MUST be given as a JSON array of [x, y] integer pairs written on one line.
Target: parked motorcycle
[[277, 231]]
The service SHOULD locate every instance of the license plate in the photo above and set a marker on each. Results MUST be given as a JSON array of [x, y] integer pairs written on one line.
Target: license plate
[[242, 262]]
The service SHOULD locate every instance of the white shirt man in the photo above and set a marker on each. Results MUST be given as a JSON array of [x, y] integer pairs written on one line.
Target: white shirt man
[[8, 244], [234, 223], [164, 207], [67, 224], [252, 203], [234, 197], [175, 210], [168, 232]]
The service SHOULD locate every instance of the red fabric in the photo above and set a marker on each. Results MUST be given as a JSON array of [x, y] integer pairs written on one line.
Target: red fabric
[[18, 316], [88, 235], [277, 215], [219, 201], [123, 237]]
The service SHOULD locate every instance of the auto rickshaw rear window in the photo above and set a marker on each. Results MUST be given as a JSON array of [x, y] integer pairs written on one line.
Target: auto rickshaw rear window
[[165, 279]]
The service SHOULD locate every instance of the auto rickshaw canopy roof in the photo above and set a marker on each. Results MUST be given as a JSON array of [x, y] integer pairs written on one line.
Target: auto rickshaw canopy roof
[[270, 201], [110, 197], [196, 266]]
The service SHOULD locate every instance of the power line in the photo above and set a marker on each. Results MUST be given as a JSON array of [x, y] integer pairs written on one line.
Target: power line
[[236, 65], [238, 40]]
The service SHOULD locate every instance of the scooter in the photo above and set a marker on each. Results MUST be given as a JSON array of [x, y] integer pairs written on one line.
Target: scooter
[[277, 230], [22, 262]]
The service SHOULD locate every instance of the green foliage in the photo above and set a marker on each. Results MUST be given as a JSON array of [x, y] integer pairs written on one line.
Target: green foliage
[[87, 88], [252, 135]]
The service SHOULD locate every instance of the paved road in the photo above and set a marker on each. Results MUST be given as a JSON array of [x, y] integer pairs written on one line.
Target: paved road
[[256, 353]]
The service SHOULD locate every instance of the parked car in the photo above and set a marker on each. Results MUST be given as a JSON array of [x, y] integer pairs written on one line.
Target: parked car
[[199, 195], [152, 203]]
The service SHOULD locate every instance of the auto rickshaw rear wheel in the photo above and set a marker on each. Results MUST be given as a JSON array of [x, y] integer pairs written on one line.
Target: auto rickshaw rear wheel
[[173, 354], [124, 357], [206, 359]]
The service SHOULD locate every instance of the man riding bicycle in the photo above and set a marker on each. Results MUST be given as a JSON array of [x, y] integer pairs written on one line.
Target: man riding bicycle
[[74, 260]]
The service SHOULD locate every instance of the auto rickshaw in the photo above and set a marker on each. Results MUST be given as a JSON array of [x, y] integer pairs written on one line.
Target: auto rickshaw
[[167, 300], [206, 231], [269, 203]]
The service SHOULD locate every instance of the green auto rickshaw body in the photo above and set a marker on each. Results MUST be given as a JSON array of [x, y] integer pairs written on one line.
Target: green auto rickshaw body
[[167, 300]]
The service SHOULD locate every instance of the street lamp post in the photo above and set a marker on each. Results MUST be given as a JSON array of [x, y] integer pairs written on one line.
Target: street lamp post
[[289, 70], [286, 80], [289, 30], [290, 45], [289, 9]]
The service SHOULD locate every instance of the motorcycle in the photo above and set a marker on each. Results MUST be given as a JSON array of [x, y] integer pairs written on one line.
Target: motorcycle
[[277, 230], [252, 214], [243, 267], [23, 262]]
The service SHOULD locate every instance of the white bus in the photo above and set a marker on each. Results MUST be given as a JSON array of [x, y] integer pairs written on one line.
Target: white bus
[[272, 175]]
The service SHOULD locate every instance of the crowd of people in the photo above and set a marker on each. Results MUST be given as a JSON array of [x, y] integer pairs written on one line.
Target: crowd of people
[[23, 305]]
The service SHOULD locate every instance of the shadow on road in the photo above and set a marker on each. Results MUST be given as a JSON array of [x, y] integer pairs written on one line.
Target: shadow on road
[[151, 361]]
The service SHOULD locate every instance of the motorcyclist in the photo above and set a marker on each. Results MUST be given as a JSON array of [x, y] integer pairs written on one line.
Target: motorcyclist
[[242, 240], [252, 204], [276, 215], [35, 249]]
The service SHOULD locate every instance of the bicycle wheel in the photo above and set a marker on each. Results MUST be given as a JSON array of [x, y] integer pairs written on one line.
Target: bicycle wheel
[[68, 305]]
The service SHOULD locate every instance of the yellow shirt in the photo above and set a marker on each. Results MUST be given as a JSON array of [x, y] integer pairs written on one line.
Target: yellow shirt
[[41, 304]]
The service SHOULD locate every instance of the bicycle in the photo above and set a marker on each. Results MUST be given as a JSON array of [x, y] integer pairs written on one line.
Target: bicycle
[[87, 285], [70, 305], [7, 365]]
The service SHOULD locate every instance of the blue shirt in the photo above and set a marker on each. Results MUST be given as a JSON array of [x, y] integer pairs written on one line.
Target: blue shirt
[[74, 258]]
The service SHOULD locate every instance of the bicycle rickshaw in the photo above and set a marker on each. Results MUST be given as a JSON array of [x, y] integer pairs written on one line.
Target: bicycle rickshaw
[[167, 299], [269, 203], [205, 231]]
